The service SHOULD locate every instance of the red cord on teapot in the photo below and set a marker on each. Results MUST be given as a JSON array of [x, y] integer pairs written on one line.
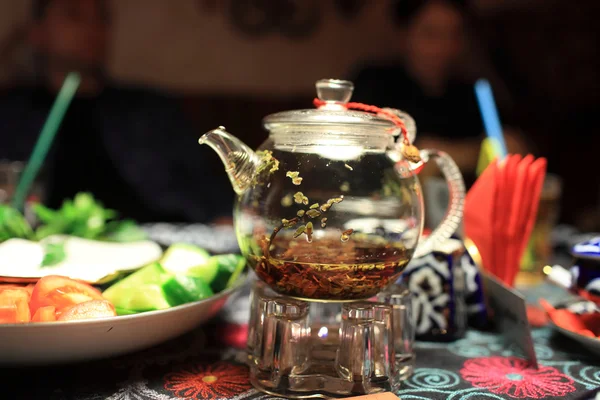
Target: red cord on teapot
[[409, 151]]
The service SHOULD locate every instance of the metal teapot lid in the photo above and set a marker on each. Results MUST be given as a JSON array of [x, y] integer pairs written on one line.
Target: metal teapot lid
[[334, 94]]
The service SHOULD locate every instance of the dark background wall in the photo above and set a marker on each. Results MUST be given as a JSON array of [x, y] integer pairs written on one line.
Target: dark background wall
[[232, 64]]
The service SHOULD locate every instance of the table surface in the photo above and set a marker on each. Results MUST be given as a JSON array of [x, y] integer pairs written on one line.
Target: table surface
[[478, 366]]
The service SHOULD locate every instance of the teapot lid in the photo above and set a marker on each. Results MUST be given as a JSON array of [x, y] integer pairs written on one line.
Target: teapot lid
[[333, 96]]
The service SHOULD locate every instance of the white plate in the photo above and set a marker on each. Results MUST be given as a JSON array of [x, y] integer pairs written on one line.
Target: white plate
[[64, 342], [592, 344], [86, 260], [579, 305]]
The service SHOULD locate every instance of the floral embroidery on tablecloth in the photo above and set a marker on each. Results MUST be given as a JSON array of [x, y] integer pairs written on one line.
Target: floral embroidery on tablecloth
[[511, 376], [220, 380], [138, 391]]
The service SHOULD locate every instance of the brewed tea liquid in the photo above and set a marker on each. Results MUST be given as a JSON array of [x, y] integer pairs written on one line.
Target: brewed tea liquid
[[331, 270], [323, 228]]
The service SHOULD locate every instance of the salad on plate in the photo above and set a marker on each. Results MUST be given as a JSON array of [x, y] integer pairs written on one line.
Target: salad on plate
[[80, 262]]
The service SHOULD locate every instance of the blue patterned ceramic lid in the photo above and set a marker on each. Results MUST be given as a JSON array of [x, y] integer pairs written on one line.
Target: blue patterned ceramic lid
[[588, 249]]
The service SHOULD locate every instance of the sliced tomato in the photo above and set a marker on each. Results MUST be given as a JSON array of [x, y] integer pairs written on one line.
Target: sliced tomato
[[14, 306], [61, 292], [4, 286], [12, 286], [88, 310], [30, 287], [44, 314], [8, 313]]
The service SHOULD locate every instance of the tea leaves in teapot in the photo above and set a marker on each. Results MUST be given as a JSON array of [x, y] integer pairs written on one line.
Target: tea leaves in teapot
[[312, 213], [267, 162], [328, 269], [287, 201], [295, 175], [309, 231], [300, 198], [301, 229], [346, 235], [288, 223]]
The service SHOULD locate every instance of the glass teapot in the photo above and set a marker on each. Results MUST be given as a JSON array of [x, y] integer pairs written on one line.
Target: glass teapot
[[329, 207]]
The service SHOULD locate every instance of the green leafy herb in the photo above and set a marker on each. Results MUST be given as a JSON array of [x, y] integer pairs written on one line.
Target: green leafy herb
[[87, 218], [82, 216], [124, 231], [54, 254], [13, 224]]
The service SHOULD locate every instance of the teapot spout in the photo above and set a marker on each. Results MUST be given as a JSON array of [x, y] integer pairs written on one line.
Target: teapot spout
[[240, 161]]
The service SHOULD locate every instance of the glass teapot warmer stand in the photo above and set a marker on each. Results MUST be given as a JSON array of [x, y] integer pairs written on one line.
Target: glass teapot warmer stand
[[302, 349]]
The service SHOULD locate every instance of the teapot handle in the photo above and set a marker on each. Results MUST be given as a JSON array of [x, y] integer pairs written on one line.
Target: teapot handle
[[454, 213]]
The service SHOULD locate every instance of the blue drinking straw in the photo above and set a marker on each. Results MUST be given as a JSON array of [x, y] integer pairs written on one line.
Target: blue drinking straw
[[489, 115]]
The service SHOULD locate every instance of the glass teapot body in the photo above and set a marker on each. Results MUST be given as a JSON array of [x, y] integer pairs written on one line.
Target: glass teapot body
[[329, 207], [329, 218]]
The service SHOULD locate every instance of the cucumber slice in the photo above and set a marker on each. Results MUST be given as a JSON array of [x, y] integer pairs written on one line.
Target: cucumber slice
[[229, 267], [236, 273], [185, 289], [122, 311], [141, 290], [186, 259], [147, 297], [150, 274]]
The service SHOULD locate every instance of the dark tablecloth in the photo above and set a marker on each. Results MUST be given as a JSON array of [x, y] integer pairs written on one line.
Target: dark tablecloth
[[204, 364]]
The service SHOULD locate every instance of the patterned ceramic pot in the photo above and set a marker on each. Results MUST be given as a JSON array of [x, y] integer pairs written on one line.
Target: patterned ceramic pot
[[447, 292], [585, 271]]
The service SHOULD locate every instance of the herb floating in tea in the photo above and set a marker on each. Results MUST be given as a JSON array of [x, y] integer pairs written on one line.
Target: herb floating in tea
[[330, 202], [296, 179], [286, 200], [344, 187], [300, 198], [335, 200], [267, 162], [299, 231], [309, 231], [289, 223], [328, 269], [313, 213], [349, 167], [346, 235]]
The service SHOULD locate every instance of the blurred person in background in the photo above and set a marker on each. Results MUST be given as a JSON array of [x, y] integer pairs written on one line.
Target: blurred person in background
[[132, 148], [424, 82]]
